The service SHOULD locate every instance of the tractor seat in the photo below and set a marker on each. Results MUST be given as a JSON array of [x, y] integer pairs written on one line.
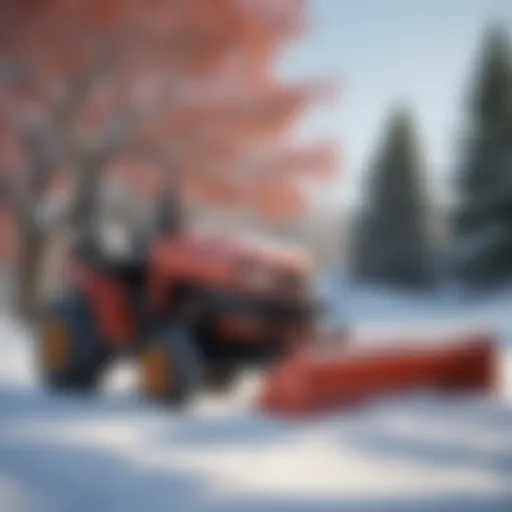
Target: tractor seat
[[130, 269]]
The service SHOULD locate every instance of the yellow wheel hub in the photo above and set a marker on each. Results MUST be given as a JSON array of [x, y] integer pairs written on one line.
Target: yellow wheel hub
[[157, 373], [56, 350]]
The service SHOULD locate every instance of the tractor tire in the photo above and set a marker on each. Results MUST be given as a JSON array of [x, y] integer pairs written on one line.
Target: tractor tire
[[171, 367], [71, 355]]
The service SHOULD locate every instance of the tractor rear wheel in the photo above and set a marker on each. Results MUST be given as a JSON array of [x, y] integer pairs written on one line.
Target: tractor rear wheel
[[171, 367], [70, 354]]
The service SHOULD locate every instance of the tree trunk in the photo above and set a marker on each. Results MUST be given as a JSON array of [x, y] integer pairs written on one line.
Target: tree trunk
[[32, 244], [86, 198]]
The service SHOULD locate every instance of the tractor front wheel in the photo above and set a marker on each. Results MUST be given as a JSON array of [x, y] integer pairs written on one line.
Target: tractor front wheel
[[170, 367]]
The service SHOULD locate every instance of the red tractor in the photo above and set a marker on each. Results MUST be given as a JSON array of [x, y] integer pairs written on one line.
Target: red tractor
[[193, 308]]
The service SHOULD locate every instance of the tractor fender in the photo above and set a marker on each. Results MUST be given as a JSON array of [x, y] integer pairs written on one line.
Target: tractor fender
[[109, 305]]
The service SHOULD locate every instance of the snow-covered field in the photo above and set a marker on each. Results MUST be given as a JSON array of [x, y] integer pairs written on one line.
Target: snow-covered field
[[115, 453]]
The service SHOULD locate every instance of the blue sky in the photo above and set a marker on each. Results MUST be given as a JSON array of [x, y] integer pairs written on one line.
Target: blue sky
[[392, 51]]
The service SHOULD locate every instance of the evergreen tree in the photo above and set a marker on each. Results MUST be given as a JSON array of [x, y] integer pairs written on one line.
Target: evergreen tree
[[483, 222], [391, 239]]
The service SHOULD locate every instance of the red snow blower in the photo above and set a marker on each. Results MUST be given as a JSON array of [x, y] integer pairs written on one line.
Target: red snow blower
[[329, 378]]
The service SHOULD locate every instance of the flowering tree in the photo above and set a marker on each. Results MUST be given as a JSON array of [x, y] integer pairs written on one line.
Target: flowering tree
[[187, 87]]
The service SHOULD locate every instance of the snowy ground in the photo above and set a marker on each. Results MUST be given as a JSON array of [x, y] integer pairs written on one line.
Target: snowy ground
[[115, 453]]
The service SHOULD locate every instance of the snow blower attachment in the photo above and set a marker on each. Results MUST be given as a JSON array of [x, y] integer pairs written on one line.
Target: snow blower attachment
[[330, 378]]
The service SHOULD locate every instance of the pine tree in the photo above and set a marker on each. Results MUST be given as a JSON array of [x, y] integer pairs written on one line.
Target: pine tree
[[391, 242], [483, 222]]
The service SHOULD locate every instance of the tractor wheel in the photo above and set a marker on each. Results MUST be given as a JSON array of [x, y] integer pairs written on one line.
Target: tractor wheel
[[170, 367], [219, 378], [70, 354]]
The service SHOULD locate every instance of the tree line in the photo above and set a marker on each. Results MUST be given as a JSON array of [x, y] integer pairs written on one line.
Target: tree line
[[394, 242]]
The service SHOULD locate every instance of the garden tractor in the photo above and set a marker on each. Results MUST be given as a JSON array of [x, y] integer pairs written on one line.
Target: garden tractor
[[194, 309]]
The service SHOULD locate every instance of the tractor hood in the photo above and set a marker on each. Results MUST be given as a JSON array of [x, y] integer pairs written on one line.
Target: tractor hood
[[223, 259], [238, 265], [253, 250]]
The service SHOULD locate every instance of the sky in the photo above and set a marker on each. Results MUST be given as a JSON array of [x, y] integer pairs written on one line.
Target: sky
[[389, 52]]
